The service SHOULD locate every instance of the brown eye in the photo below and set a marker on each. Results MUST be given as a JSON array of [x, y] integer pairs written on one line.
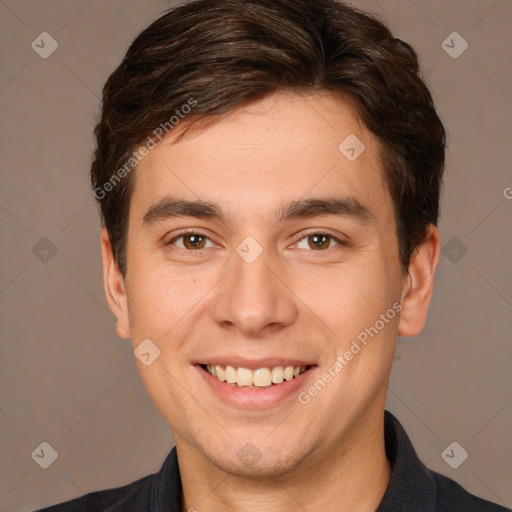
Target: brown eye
[[190, 241], [194, 241], [318, 241]]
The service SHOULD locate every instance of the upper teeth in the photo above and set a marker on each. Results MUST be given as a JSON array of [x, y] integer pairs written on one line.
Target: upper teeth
[[261, 378]]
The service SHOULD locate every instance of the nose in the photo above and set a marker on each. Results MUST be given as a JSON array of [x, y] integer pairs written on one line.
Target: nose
[[254, 298]]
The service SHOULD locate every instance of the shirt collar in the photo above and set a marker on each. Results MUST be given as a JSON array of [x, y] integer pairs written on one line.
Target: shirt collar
[[166, 489], [412, 485]]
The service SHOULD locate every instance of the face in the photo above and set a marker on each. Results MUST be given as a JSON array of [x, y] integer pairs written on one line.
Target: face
[[289, 256]]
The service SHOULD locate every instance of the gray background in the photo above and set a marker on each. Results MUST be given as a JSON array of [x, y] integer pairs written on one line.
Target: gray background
[[67, 379]]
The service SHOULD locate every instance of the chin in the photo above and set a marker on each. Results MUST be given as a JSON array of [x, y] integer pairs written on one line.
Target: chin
[[248, 459]]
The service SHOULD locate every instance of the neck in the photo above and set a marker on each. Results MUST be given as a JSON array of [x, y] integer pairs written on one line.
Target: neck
[[350, 476]]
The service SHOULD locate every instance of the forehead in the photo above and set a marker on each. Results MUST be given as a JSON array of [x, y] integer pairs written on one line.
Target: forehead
[[269, 153]]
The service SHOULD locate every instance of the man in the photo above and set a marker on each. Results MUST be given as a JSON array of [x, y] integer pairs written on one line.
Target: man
[[268, 173]]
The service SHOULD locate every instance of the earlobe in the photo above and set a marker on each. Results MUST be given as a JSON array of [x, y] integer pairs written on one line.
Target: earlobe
[[419, 284], [113, 283], [122, 331]]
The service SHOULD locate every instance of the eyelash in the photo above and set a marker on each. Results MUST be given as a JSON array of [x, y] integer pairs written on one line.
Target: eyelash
[[189, 252]]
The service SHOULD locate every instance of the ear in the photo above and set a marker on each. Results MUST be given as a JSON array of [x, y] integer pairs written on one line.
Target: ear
[[419, 284], [113, 282]]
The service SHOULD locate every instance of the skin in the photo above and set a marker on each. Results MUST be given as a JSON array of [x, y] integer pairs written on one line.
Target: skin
[[293, 301]]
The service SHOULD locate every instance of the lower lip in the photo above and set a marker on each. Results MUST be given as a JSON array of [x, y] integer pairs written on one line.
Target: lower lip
[[254, 398]]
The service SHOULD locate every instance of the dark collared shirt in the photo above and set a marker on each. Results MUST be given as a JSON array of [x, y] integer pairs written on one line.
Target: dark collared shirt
[[412, 487]]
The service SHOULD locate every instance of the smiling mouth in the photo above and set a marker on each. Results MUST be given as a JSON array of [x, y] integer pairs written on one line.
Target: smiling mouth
[[254, 379]]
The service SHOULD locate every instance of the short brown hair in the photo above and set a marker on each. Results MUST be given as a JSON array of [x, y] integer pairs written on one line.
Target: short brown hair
[[224, 54]]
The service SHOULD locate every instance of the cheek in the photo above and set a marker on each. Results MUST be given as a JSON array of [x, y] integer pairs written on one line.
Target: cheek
[[159, 301], [347, 299]]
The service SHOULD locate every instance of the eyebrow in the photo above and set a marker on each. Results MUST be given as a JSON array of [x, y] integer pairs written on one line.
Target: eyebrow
[[171, 207]]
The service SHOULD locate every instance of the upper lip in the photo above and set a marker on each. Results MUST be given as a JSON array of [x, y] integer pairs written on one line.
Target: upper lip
[[253, 364]]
